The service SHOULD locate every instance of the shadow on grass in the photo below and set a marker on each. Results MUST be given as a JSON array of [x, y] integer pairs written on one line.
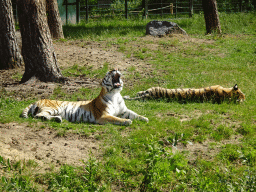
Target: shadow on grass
[[122, 29]]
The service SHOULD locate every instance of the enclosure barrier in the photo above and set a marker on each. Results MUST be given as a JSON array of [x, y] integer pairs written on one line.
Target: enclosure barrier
[[140, 8]]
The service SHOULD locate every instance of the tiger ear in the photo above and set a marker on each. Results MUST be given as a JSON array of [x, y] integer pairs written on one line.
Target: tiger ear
[[235, 87]]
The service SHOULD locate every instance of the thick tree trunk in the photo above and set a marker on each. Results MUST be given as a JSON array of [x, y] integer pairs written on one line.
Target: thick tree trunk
[[54, 20], [10, 56], [211, 16], [37, 47]]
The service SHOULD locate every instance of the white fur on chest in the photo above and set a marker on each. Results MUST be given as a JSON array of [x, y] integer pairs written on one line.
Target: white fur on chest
[[115, 104]]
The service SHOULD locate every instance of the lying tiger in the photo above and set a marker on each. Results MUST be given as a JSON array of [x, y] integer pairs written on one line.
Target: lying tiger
[[108, 107], [214, 93]]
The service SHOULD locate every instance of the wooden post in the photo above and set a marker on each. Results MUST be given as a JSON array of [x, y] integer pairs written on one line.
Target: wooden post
[[191, 8], [145, 6], [240, 5], [77, 11], [126, 9], [171, 8], [176, 9], [87, 11], [66, 12], [161, 9]]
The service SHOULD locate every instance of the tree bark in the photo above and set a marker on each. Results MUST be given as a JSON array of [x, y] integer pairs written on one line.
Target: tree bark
[[37, 47], [54, 20], [211, 16], [10, 56]]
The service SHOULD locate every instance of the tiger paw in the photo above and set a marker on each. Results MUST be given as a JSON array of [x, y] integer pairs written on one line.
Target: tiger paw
[[127, 122], [58, 119], [145, 119], [126, 97], [42, 117]]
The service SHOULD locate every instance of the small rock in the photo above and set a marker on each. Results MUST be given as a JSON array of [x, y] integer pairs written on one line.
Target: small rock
[[161, 28]]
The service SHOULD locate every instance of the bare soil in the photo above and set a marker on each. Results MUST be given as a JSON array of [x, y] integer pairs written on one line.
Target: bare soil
[[44, 146]]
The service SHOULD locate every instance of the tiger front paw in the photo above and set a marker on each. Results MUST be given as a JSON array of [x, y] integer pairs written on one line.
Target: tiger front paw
[[58, 119], [126, 97], [42, 117], [145, 119], [127, 122]]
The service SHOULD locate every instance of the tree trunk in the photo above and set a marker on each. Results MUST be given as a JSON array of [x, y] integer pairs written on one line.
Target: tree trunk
[[10, 56], [211, 16], [37, 47], [54, 20]]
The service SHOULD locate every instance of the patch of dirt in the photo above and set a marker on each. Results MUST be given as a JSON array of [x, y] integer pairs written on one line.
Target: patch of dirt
[[38, 89], [44, 146], [207, 149], [91, 54]]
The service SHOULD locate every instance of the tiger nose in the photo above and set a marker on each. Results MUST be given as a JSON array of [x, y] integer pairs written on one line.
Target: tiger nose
[[117, 84]]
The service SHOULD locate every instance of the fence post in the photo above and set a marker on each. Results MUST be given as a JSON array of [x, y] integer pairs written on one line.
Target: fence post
[[145, 6], [176, 9], [126, 9], [87, 10], [66, 12], [171, 8], [77, 11], [161, 8], [191, 8]]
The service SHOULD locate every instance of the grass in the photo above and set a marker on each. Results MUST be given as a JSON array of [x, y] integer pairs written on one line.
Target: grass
[[76, 71], [103, 29], [220, 152]]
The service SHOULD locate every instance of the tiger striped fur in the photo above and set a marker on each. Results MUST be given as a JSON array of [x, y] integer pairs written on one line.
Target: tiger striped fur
[[216, 93], [108, 107]]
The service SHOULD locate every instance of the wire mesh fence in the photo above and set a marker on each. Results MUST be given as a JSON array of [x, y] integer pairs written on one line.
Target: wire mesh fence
[[152, 8], [92, 9]]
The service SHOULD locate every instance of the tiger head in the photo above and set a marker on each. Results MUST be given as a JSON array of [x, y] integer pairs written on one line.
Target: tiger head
[[237, 93], [112, 81]]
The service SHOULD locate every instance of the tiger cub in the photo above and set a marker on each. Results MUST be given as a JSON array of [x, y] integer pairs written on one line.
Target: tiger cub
[[215, 93], [108, 107]]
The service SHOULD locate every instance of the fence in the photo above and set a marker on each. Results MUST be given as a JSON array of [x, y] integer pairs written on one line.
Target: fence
[[77, 10], [151, 8]]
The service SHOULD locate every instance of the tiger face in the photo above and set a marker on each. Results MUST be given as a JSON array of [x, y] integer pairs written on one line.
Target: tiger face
[[112, 82], [237, 93]]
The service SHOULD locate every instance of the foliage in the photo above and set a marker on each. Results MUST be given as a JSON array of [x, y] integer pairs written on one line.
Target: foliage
[[76, 179], [120, 4], [20, 180]]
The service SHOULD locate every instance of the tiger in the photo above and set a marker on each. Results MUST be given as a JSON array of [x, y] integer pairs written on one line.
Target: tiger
[[215, 93], [108, 107]]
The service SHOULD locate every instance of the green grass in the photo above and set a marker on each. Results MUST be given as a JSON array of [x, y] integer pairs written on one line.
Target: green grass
[[100, 30], [143, 156], [76, 71]]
